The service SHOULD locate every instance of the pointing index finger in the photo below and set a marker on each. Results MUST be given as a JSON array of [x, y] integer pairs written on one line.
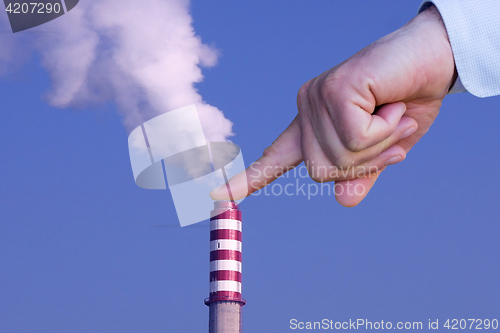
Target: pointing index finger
[[283, 155]]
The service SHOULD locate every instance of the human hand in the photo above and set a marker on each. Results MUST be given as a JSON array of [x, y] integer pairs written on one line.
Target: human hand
[[362, 115]]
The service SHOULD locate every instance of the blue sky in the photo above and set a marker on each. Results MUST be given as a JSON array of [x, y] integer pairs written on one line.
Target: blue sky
[[83, 249]]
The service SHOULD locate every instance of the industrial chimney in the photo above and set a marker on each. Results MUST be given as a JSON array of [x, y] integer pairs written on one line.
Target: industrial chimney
[[225, 300]]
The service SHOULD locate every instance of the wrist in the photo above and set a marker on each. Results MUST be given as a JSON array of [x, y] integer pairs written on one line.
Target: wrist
[[434, 31]]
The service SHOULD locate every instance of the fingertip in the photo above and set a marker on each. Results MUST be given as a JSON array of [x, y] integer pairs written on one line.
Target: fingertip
[[348, 199], [235, 189], [392, 112], [399, 107], [350, 193], [408, 121], [219, 193], [403, 106], [406, 127], [393, 155]]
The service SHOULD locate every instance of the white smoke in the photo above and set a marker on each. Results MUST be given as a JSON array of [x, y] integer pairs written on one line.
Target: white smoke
[[144, 55]]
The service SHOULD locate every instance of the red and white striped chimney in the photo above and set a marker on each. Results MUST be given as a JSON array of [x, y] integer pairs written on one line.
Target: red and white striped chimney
[[225, 299]]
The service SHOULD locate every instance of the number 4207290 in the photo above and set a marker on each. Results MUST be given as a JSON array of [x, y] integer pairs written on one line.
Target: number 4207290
[[33, 8], [478, 324]]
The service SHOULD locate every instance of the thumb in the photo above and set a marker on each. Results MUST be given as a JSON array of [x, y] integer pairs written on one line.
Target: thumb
[[283, 155]]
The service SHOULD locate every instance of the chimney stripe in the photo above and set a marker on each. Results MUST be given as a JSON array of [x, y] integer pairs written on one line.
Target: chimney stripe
[[225, 224], [225, 296], [225, 275], [231, 214], [216, 286], [225, 234], [225, 244], [225, 265], [225, 255]]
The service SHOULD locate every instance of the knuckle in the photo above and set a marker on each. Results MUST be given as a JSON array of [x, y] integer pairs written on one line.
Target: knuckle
[[329, 89], [318, 172], [270, 153], [344, 162], [331, 86], [355, 141], [315, 175], [303, 93]]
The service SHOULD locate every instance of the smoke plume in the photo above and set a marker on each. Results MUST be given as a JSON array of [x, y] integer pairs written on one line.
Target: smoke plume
[[143, 55]]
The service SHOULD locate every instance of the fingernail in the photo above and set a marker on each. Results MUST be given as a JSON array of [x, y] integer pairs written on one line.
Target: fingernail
[[218, 189], [394, 160], [409, 132]]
